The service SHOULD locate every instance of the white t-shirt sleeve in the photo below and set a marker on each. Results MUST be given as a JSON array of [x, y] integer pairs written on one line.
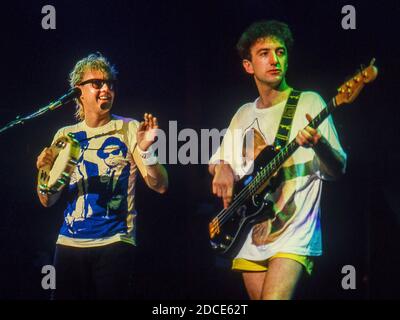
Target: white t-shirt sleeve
[[328, 131]]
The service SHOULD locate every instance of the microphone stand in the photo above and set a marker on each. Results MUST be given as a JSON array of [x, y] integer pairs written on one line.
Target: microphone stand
[[20, 120]]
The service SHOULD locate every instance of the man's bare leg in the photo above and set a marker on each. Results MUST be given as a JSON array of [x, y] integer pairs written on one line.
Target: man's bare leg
[[281, 279], [253, 282]]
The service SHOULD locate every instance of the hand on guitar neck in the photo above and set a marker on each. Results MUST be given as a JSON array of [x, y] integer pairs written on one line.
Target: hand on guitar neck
[[331, 162], [308, 137]]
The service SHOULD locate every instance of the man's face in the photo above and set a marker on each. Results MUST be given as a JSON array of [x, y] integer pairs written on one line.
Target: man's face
[[97, 97], [269, 61]]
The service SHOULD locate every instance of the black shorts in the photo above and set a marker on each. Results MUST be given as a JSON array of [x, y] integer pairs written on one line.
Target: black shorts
[[103, 272]]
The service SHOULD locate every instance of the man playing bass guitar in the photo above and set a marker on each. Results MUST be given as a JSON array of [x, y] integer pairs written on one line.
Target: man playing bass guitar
[[277, 250]]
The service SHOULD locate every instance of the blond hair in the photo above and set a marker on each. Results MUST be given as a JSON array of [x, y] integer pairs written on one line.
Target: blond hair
[[94, 61]]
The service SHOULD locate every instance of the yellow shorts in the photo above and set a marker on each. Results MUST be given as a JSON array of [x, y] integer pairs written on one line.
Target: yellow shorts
[[250, 265]]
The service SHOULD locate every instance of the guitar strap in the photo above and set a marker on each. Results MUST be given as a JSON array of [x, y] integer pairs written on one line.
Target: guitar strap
[[282, 136]]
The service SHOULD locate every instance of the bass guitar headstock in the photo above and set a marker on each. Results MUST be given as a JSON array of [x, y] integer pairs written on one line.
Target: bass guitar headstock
[[349, 91]]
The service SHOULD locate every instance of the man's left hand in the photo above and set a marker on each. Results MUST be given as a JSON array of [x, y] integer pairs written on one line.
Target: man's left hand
[[309, 136], [146, 133]]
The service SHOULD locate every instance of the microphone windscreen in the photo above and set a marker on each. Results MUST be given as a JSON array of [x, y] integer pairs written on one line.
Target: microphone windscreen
[[76, 92]]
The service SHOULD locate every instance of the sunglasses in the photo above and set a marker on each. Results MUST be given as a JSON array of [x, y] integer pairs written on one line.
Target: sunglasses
[[99, 83]]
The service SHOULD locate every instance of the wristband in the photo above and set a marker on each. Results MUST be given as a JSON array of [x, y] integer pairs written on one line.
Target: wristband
[[148, 157]]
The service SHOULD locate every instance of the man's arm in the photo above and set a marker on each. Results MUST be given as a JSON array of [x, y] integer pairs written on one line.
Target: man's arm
[[223, 181], [154, 174], [157, 178], [332, 163], [46, 158]]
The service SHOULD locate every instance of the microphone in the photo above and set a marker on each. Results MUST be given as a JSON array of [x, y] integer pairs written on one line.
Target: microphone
[[70, 95]]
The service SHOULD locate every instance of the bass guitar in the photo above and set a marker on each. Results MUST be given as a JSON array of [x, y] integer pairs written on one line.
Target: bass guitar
[[250, 205]]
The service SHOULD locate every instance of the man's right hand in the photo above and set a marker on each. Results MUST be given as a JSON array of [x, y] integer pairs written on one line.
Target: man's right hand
[[46, 157], [223, 181]]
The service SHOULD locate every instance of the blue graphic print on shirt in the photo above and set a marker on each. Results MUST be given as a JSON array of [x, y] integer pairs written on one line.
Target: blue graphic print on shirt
[[97, 206]]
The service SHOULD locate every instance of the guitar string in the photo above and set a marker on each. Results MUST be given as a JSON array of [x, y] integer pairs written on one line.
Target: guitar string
[[259, 179], [245, 192], [254, 185], [314, 123], [253, 182], [224, 215], [251, 188]]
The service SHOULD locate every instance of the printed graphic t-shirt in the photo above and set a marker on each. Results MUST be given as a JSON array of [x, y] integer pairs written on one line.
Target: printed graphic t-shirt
[[101, 192], [295, 227]]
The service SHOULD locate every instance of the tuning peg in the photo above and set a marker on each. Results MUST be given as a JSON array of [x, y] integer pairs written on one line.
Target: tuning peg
[[372, 62]]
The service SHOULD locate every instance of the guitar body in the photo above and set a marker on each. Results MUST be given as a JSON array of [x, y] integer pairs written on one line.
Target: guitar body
[[231, 235]]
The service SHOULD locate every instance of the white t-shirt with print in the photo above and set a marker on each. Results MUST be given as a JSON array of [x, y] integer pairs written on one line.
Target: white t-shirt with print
[[296, 227]]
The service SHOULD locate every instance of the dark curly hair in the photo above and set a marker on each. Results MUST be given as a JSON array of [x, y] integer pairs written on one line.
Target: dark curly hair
[[263, 29]]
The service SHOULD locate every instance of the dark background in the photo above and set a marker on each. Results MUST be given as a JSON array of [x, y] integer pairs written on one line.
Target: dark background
[[178, 61]]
